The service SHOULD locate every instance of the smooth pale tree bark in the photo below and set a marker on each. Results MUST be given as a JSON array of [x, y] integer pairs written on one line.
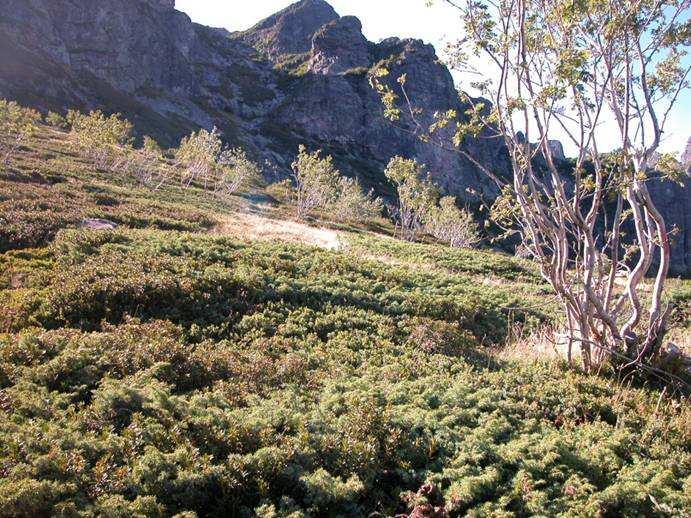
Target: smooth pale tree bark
[[568, 67]]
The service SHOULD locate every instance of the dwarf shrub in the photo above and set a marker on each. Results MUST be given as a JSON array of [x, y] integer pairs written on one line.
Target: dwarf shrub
[[267, 379], [17, 124], [101, 138], [316, 181]]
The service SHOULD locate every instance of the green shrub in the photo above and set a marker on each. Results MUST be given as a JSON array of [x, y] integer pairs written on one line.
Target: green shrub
[[148, 372], [101, 138], [276, 379], [57, 121], [316, 181], [17, 124]]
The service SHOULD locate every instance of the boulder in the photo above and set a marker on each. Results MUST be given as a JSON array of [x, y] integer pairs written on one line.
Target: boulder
[[98, 224]]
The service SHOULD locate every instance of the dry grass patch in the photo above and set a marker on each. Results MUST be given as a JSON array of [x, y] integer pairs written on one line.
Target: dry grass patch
[[257, 227]]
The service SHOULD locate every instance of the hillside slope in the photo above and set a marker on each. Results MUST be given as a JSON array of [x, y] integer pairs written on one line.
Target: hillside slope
[[171, 366], [299, 77]]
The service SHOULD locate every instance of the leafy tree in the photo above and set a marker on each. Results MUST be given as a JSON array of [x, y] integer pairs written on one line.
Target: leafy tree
[[203, 157], [100, 137], [57, 121], [282, 190], [316, 181], [148, 165], [198, 155], [416, 195], [237, 171], [452, 225], [569, 66], [17, 124], [353, 204], [72, 116]]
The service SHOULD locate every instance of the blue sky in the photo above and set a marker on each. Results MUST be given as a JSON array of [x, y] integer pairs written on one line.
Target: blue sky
[[404, 18]]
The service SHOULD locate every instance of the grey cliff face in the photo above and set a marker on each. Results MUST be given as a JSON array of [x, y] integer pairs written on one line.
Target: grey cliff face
[[557, 149], [163, 4], [339, 46], [298, 77]]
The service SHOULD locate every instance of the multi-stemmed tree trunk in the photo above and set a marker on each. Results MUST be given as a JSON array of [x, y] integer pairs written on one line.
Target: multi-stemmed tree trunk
[[580, 70]]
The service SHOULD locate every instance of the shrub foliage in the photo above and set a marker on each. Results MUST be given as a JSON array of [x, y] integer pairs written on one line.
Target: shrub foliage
[[158, 370], [156, 373], [17, 124]]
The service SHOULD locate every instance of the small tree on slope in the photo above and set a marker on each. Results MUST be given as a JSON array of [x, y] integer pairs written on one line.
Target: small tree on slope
[[316, 181], [452, 225], [197, 155], [237, 171], [417, 195], [571, 66], [16, 125], [355, 205], [101, 138]]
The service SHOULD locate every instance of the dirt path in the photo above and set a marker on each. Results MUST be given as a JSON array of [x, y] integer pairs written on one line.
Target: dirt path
[[259, 227]]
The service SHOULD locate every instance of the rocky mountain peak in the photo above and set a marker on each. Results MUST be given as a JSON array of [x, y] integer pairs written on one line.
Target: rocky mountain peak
[[557, 149], [162, 4], [291, 30], [339, 46]]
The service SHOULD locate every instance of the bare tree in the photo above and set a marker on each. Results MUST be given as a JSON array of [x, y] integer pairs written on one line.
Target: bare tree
[[568, 68]]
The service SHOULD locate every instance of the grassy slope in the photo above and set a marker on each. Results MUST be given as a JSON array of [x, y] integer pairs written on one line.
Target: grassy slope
[[165, 367]]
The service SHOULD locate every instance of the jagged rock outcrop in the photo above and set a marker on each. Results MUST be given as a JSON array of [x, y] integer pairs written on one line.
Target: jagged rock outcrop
[[557, 149], [165, 4], [300, 76], [291, 30], [138, 57], [674, 202], [339, 46]]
